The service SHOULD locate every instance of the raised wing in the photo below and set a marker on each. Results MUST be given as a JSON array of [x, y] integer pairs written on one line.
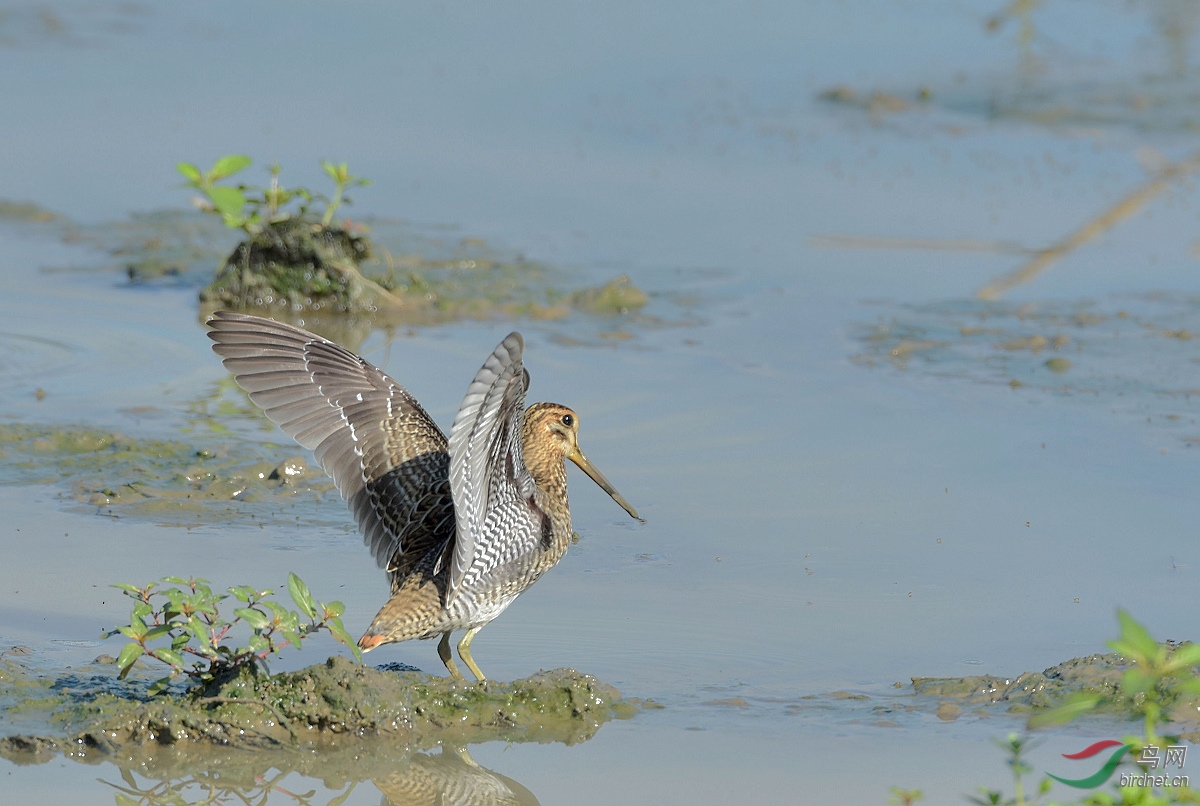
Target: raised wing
[[486, 464], [384, 453]]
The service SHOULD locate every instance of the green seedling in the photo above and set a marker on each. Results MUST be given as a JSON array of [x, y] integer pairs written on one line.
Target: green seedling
[[342, 179], [251, 208], [183, 627]]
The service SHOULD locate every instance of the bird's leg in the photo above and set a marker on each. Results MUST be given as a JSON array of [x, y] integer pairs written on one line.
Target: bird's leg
[[447, 658], [464, 652]]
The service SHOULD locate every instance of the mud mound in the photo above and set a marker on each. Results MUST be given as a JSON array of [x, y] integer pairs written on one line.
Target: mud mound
[[330, 703]]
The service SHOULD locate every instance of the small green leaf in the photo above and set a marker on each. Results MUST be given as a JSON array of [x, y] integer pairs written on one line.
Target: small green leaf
[[199, 632], [125, 586], [227, 201], [228, 166], [129, 631], [190, 172], [277, 610], [243, 593], [1185, 656], [334, 610], [157, 632], [339, 632], [1135, 681], [177, 580], [169, 656], [252, 617], [128, 655], [1073, 707], [1135, 642], [124, 800], [301, 595], [159, 686]]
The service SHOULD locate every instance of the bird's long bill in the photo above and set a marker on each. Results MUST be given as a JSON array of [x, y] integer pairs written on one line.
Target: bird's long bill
[[586, 466]]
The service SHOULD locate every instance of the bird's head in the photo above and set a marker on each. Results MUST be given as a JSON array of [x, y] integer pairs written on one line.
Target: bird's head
[[552, 432]]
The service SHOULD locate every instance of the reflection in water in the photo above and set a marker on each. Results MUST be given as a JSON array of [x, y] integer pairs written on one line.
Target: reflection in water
[[1177, 22], [1056, 92], [450, 776], [1125, 207], [203, 789], [1128, 205], [1121, 354], [1028, 65]]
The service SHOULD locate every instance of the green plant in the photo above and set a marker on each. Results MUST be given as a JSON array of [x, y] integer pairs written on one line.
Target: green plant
[[1160, 674], [342, 179], [251, 208], [1015, 746], [905, 797], [186, 624]]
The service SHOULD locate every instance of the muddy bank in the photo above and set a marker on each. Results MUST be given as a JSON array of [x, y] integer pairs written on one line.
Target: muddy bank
[[323, 706], [1033, 692], [1025, 696]]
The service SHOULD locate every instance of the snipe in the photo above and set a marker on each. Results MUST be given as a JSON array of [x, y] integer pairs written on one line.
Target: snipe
[[462, 526]]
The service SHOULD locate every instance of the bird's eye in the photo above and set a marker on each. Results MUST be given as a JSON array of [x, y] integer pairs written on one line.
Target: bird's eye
[[567, 420]]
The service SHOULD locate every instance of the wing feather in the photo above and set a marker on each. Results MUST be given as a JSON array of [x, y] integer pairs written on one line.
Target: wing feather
[[485, 452], [387, 457]]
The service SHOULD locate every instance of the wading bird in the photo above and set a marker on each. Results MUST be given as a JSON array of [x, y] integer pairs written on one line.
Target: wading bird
[[462, 526]]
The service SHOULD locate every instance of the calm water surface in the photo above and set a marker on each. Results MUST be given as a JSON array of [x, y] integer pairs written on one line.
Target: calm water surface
[[812, 524]]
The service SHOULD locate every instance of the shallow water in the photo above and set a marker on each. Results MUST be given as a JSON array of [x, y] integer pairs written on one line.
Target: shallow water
[[815, 522]]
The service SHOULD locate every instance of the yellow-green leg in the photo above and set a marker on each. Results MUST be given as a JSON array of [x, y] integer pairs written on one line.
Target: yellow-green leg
[[447, 658], [464, 652]]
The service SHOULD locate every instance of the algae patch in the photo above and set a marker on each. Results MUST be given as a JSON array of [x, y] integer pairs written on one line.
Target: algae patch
[[300, 267], [164, 480], [387, 271], [334, 702]]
